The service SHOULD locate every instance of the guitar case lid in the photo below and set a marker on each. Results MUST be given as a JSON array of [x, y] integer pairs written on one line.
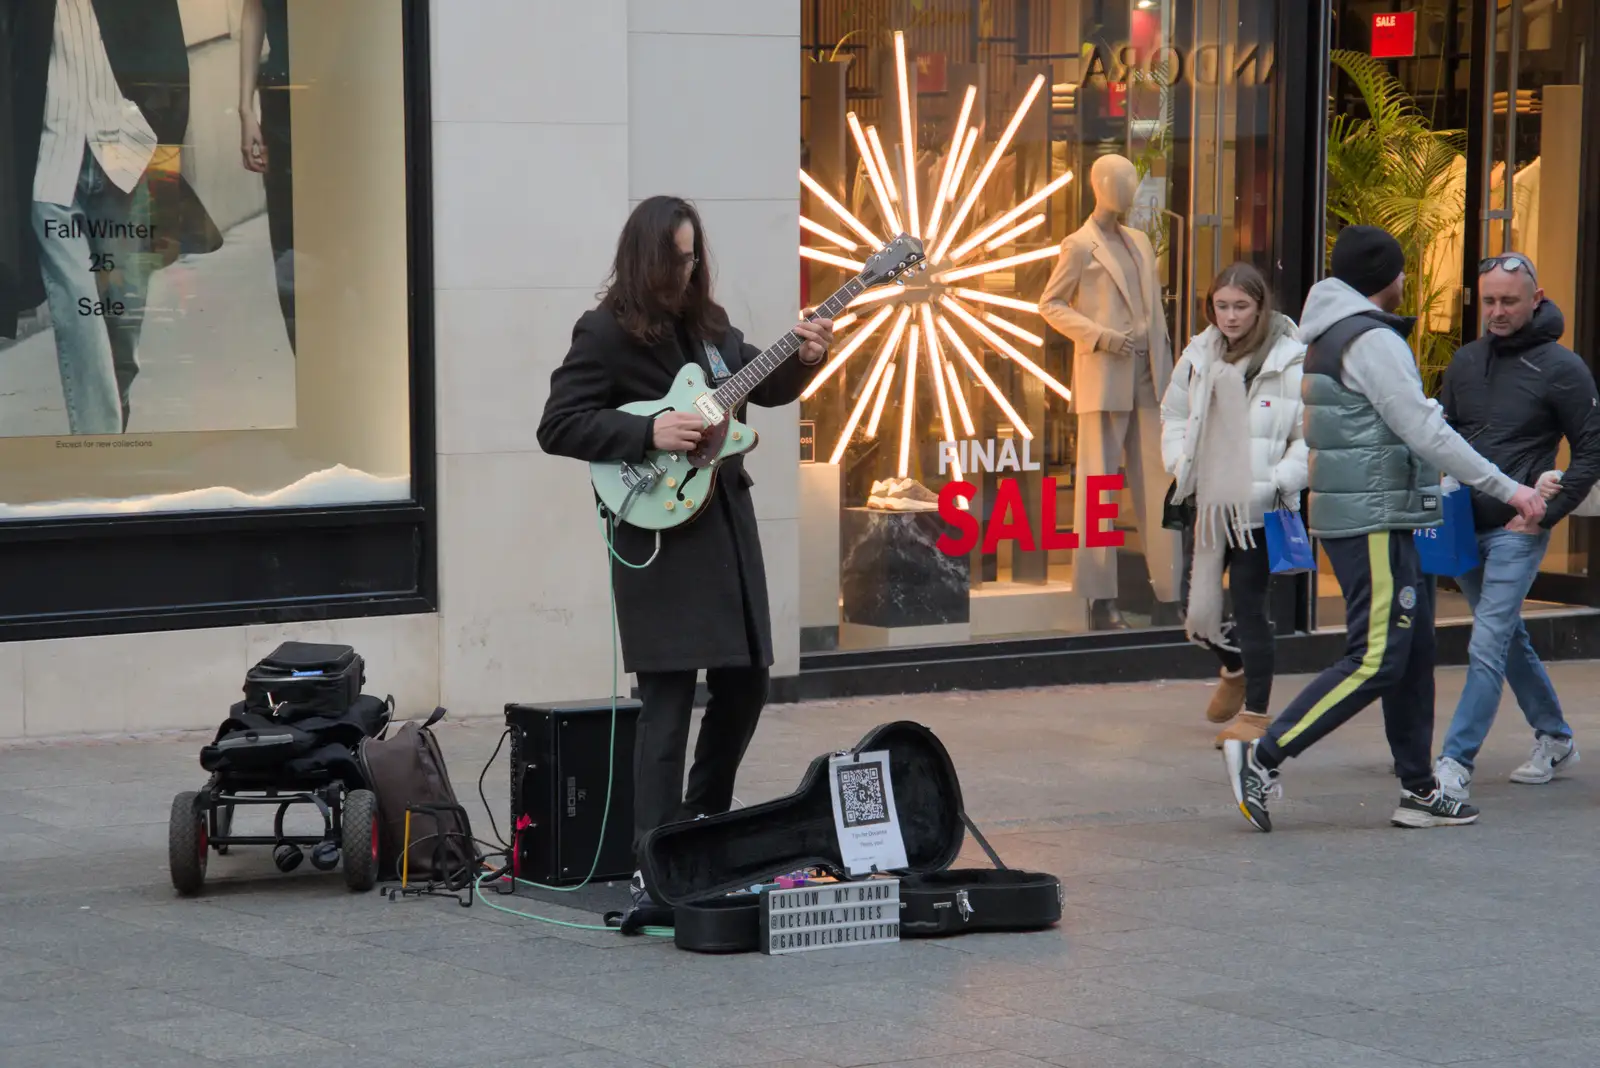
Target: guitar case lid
[[687, 863]]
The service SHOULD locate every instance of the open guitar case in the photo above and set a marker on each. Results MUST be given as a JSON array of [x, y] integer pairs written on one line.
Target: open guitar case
[[702, 870]]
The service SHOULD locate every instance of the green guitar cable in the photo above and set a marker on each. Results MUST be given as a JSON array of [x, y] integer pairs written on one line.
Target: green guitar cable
[[656, 932]]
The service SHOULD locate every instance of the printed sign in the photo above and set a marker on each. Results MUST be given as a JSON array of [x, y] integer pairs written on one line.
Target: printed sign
[[830, 916], [808, 441], [1394, 36], [864, 815]]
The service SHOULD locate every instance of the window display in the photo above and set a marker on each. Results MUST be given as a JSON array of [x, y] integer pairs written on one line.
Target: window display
[[203, 255], [1077, 173]]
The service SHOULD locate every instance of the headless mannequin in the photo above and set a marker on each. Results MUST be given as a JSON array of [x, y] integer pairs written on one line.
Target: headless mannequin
[[1104, 295]]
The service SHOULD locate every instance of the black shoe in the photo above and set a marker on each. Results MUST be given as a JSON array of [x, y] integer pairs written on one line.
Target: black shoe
[[638, 896], [1253, 784], [1436, 809], [1103, 615]]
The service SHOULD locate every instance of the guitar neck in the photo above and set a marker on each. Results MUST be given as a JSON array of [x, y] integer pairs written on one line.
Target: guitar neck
[[733, 392]]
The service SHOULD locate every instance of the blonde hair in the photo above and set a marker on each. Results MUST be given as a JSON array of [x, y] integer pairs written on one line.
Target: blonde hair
[[1253, 284]]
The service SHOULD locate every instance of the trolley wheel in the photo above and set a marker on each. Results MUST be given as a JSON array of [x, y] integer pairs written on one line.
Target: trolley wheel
[[186, 843], [359, 840]]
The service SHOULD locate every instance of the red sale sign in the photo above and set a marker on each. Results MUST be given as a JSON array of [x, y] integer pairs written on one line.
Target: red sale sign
[[1394, 36], [1008, 520]]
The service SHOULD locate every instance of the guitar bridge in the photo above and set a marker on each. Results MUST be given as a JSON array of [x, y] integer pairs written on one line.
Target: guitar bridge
[[641, 480]]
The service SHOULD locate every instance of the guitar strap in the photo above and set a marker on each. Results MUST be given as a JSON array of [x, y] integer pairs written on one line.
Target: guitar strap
[[719, 366]]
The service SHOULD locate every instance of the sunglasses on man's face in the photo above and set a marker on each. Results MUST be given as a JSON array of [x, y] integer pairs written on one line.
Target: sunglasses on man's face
[[1510, 264]]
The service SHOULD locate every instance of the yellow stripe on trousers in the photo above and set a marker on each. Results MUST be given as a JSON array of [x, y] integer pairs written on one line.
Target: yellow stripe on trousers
[[1378, 610]]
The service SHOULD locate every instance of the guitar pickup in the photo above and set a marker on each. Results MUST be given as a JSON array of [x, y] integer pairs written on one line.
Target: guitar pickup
[[709, 409]]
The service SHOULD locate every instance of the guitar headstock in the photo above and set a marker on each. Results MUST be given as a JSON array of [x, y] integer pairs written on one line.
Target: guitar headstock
[[899, 257]]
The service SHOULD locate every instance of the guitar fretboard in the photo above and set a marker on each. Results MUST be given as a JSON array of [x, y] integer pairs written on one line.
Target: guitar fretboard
[[732, 393]]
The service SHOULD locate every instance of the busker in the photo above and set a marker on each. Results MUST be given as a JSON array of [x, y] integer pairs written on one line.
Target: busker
[[1371, 433], [1514, 393], [701, 604], [1231, 438]]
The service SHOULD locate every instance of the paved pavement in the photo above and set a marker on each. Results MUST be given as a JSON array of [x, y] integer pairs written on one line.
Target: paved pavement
[[1189, 940]]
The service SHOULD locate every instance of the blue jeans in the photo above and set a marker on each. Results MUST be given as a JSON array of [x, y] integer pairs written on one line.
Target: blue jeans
[[1500, 651], [87, 273]]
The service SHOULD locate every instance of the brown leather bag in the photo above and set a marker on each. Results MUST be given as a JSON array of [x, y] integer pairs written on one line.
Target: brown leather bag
[[407, 772]]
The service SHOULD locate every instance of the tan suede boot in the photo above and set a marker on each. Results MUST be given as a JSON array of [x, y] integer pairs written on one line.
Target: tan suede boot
[[1248, 727], [1229, 698]]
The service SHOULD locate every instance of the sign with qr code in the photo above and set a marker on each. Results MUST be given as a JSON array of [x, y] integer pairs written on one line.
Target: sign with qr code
[[830, 916], [864, 814]]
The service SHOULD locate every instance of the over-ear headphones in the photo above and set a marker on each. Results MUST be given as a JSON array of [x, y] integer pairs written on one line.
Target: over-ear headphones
[[324, 855]]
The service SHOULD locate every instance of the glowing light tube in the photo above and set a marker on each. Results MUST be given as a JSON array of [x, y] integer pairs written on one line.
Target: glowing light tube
[[826, 234], [976, 367], [857, 339], [996, 299], [908, 136], [872, 240], [908, 405], [1011, 216], [961, 400], [1014, 233], [883, 397], [870, 162], [872, 383], [935, 366], [956, 141], [827, 257], [989, 266], [988, 168], [1013, 329], [1006, 347]]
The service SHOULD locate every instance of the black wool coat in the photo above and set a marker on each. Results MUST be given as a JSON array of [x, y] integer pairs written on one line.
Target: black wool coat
[[703, 602]]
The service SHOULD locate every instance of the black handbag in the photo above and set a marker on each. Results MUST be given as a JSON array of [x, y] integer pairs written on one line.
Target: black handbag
[[1179, 516]]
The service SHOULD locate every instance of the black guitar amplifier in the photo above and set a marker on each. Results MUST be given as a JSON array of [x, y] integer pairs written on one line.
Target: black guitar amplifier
[[559, 757]]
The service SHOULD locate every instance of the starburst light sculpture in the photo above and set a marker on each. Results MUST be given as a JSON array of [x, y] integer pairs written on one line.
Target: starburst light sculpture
[[927, 316]]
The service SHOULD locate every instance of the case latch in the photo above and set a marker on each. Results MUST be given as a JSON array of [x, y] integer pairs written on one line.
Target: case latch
[[963, 905]]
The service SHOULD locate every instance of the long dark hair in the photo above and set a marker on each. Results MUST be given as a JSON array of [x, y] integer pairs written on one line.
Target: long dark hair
[[1250, 281], [645, 290]]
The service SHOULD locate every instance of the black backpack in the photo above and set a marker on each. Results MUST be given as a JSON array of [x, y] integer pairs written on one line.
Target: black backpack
[[407, 772]]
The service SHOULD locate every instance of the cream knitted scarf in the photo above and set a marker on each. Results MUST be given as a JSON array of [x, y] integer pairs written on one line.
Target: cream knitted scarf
[[1219, 478]]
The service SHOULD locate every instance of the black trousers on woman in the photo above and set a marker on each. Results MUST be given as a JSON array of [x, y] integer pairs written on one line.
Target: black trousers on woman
[[661, 743], [278, 183], [1249, 573]]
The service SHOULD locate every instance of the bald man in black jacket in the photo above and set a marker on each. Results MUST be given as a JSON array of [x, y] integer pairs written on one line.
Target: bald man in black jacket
[[1514, 394]]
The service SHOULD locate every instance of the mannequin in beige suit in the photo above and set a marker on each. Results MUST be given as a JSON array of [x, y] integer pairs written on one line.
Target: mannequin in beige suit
[[1105, 296]]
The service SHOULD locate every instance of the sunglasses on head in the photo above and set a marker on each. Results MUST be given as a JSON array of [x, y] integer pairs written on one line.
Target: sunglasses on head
[[1510, 263]]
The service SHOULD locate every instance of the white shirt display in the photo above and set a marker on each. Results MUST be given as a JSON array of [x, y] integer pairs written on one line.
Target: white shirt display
[[84, 105]]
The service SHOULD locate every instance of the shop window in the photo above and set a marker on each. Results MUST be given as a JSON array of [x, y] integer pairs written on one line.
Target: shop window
[[204, 291], [977, 128]]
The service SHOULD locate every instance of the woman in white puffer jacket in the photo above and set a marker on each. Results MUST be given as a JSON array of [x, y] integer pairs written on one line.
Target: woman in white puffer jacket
[[1231, 437]]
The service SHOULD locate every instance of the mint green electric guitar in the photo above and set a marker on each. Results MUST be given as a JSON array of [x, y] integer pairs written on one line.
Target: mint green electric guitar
[[669, 489]]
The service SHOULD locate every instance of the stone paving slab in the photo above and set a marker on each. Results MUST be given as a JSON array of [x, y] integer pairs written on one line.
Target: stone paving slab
[[1187, 941]]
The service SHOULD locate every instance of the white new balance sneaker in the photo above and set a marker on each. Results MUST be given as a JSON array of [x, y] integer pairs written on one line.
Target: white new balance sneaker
[[1455, 778], [1550, 755]]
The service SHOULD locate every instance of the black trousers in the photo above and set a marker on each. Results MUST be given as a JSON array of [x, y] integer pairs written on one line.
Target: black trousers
[[1249, 587], [1389, 657], [661, 743], [278, 184]]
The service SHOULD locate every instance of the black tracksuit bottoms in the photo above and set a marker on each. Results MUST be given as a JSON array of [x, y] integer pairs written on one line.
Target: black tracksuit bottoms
[[736, 696], [1389, 657]]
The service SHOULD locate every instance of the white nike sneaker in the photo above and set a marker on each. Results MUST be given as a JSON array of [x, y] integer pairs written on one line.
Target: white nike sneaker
[[1550, 755], [1455, 778]]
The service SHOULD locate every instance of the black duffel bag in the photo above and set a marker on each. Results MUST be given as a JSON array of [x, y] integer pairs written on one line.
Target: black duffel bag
[[305, 678]]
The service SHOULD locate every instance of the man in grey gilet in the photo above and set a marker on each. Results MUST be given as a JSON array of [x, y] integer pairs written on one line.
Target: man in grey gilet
[[1377, 445]]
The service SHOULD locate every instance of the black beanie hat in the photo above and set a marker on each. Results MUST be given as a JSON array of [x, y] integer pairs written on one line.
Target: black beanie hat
[[1367, 259]]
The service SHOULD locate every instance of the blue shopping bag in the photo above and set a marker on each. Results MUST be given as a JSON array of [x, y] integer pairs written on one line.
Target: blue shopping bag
[[1450, 549], [1288, 546]]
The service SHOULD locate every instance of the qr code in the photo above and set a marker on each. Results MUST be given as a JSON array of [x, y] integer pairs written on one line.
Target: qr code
[[862, 794]]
